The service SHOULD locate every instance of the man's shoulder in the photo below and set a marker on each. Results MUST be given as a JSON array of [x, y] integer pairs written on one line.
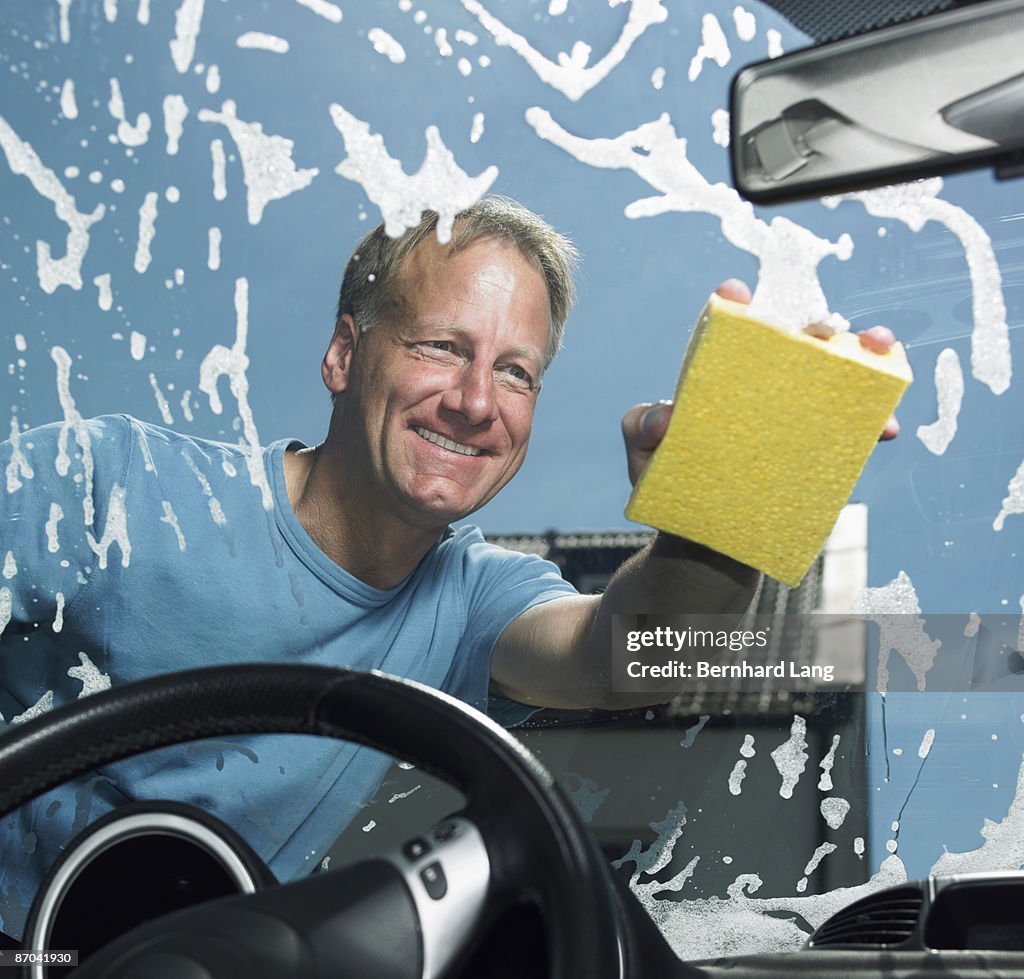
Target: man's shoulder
[[112, 446], [480, 556]]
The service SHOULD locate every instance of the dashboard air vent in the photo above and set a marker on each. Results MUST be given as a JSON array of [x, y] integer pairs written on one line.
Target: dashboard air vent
[[887, 918]]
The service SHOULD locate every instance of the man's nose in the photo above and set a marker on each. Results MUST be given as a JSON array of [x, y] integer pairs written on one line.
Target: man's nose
[[472, 394]]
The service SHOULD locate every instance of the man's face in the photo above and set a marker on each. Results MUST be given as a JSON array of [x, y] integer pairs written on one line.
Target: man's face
[[441, 392]]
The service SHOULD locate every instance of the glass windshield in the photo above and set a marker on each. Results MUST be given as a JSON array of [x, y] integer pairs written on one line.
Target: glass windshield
[[181, 184]]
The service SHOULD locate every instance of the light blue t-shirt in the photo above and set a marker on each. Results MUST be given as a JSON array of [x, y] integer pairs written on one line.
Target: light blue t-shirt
[[130, 550]]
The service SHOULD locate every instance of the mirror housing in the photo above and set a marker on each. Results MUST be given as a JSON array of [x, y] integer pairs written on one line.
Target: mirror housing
[[931, 96]]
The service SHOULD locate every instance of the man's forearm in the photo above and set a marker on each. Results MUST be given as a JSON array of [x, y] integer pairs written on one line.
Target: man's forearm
[[675, 576], [671, 576]]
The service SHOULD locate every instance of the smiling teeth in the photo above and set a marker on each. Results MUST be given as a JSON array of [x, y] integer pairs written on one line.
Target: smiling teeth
[[466, 450]]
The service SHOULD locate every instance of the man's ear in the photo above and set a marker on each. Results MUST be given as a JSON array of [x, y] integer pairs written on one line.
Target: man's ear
[[337, 363]]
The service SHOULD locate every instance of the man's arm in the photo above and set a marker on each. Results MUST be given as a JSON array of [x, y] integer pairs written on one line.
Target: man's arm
[[559, 654]]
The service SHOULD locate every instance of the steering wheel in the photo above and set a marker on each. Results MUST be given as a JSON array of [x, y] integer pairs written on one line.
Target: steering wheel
[[534, 843]]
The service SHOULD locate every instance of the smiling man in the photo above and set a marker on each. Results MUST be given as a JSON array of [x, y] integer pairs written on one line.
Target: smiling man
[[435, 366]]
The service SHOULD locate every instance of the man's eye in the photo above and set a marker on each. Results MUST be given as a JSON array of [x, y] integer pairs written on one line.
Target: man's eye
[[443, 345], [517, 375]]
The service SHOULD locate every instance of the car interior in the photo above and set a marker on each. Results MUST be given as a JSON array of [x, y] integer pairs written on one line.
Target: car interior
[[861, 812]]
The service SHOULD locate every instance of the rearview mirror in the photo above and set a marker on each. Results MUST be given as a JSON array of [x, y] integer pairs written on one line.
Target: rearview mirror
[[934, 95]]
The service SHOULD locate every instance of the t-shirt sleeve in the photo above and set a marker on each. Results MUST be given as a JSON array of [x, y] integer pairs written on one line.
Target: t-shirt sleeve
[[500, 584]]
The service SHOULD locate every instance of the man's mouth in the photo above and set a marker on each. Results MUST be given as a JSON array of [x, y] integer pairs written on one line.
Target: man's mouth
[[446, 443]]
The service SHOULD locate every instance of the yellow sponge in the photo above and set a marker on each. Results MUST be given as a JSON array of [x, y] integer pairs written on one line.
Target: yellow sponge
[[768, 436]]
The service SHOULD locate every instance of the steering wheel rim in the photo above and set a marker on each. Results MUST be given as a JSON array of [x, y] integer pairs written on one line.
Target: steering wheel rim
[[536, 841]]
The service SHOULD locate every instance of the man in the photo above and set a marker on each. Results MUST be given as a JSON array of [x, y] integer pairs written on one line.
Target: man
[[435, 365]]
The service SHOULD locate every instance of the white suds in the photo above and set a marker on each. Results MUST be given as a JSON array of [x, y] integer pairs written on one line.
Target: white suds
[[41, 706], [746, 24], [115, 530], [267, 165], [213, 252], [439, 184], [68, 106], [973, 625], [328, 11], [736, 777], [1013, 502], [65, 25], [826, 765], [110, 10], [747, 748], [73, 421], [105, 298], [137, 345], [774, 42], [658, 78], [88, 674], [720, 127], [128, 134], [50, 527], [187, 21], [175, 111], [383, 43], [713, 46], [403, 795], [649, 860], [53, 272], [465, 67], [441, 40], [234, 362], [478, 127], [169, 517], [949, 392], [186, 406], [917, 203], [213, 79], [791, 757], [10, 566], [570, 75], [216, 510], [147, 231], [58, 613], [143, 14], [926, 743], [220, 187], [1004, 842], [557, 7], [896, 609], [834, 811], [788, 291], [262, 42], [819, 854], [161, 400]]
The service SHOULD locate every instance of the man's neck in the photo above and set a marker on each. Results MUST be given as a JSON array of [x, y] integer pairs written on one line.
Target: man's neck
[[371, 546]]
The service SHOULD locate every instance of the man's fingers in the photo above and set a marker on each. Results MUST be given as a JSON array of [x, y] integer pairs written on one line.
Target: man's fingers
[[735, 289], [878, 339], [644, 425], [891, 430]]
